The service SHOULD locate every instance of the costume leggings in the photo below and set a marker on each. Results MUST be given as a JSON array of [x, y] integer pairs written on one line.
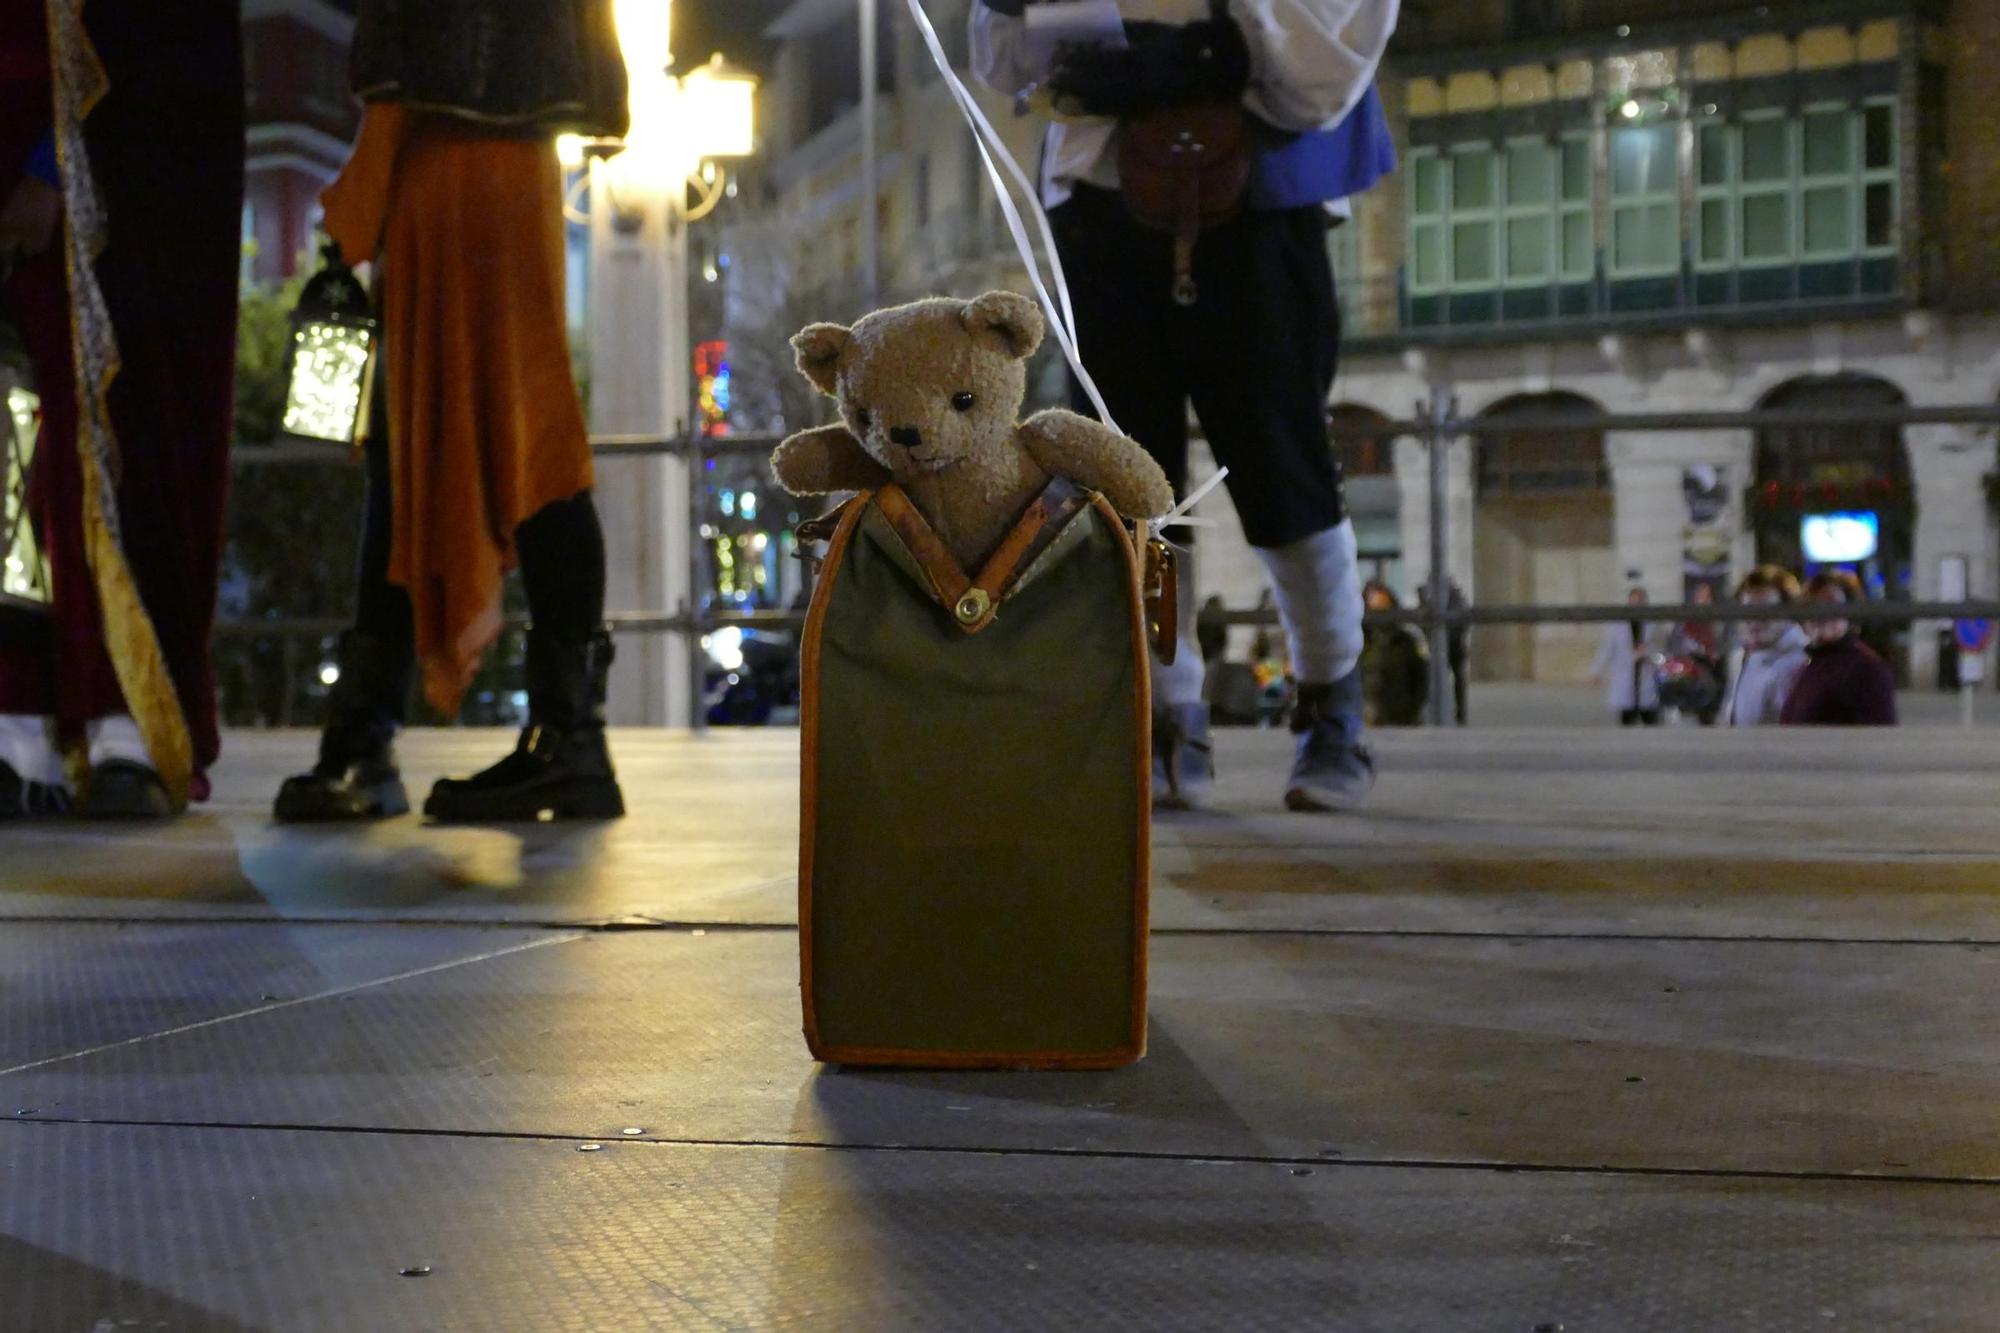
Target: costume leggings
[[561, 548]]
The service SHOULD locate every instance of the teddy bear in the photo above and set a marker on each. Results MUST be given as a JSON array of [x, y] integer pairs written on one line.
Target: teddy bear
[[930, 398]]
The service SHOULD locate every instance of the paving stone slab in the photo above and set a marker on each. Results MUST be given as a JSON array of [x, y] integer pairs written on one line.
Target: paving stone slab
[[106, 1227], [1589, 832], [67, 989], [1870, 1059]]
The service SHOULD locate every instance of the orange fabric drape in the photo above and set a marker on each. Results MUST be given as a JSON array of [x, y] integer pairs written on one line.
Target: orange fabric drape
[[485, 427]]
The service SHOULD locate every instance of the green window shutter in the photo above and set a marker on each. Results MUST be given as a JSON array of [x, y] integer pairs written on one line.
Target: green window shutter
[[1472, 253], [1767, 149], [1578, 245], [1471, 179], [1645, 201], [1427, 257], [1767, 227], [1528, 245]]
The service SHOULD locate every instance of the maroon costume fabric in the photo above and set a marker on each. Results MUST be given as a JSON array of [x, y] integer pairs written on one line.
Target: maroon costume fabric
[[36, 299], [166, 146], [1843, 684]]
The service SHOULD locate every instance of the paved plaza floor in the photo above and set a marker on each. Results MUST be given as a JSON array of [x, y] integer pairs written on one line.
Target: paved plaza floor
[[1573, 1029]]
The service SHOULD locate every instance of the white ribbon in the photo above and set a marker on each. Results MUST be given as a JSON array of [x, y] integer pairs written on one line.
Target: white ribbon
[[1182, 514], [1061, 317], [990, 145]]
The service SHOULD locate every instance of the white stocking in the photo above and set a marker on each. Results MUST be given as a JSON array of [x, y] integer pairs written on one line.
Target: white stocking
[[27, 746], [1317, 581], [117, 738]]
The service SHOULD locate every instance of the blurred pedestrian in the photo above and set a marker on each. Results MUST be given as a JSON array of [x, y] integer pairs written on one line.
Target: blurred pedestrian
[[1774, 651], [1455, 639], [454, 190], [1395, 666], [1624, 666], [1700, 641], [1264, 645], [1844, 682], [1211, 630], [1238, 316], [121, 172]]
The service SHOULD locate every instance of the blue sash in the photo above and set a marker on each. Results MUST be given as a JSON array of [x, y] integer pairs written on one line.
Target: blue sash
[[1319, 165]]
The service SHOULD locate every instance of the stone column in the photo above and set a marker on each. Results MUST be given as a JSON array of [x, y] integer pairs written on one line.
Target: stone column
[[1650, 510], [1948, 468], [1412, 464], [639, 385]]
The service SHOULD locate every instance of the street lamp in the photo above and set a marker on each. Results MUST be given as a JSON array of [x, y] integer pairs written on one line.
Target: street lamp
[[721, 101], [682, 127]]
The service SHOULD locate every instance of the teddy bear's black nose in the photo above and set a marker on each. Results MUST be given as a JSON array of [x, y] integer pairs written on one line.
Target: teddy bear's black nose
[[907, 436]]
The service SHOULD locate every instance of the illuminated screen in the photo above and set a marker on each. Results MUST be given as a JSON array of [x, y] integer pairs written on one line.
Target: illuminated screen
[[1839, 539]]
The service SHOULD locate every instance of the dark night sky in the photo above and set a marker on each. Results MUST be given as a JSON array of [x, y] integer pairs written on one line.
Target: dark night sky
[[729, 26], [701, 26]]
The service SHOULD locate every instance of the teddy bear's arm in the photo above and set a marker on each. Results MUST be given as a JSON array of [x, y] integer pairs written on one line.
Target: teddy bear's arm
[[819, 462], [1091, 454]]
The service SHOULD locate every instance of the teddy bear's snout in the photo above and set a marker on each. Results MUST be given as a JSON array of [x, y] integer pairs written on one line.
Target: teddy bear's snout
[[907, 436]]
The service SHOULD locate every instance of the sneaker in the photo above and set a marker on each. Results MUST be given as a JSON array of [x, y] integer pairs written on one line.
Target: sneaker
[[1333, 771], [1183, 758]]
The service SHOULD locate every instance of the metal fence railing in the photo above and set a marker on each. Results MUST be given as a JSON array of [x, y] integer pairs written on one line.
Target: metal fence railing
[[1435, 425]]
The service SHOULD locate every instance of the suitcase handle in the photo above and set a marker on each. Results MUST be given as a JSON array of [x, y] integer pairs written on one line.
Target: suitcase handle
[[1161, 586]]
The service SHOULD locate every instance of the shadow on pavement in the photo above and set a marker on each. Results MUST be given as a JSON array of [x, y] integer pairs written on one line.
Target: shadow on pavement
[[47, 1290]]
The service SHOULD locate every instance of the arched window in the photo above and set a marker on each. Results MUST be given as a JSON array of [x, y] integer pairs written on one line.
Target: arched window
[[1371, 455], [1835, 465], [1836, 453], [1540, 460], [1542, 535]]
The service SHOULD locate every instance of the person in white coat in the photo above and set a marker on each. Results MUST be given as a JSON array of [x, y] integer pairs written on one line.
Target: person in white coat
[[1625, 666], [1773, 652], [1249, 333]]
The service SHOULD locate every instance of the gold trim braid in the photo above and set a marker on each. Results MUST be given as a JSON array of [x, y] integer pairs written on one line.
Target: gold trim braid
[[80, 83]]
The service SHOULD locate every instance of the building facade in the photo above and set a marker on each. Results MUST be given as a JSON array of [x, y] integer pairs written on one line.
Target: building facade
[[1603, 205], [1640, 207], [300, 120]]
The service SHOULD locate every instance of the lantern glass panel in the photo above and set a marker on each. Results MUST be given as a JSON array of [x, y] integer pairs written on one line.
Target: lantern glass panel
[[329, 362], [24, 576]]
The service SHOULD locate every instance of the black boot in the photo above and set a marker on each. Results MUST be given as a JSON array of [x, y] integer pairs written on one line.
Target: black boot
[[122, 789], [21, 798], [560, 768], [356, 777]]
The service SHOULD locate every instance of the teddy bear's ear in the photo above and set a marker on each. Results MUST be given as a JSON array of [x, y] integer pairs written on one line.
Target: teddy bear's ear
[[819, 348], [1013, 319]]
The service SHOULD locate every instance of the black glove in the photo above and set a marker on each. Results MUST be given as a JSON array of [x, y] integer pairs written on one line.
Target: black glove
[[1165, 64]]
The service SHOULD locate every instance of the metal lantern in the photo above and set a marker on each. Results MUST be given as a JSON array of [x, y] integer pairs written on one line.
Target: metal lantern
[[24, 574], [330, 371], [720, 101]]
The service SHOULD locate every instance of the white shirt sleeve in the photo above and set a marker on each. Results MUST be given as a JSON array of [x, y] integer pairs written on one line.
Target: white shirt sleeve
[[1784, 675], [1310, 60], [1000, 57]]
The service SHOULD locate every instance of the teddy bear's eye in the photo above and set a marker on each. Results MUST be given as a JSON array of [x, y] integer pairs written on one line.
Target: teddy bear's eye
[[862, 418], [962, 400]]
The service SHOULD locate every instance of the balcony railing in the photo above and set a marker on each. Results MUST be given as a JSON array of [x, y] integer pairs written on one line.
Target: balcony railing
[[299, 642], [1383, 310]]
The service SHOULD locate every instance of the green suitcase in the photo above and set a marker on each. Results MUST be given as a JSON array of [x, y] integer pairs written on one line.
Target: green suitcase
[[976, 793]]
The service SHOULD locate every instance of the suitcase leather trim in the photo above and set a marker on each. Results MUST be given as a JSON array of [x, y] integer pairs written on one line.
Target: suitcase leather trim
[[974, 602]]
